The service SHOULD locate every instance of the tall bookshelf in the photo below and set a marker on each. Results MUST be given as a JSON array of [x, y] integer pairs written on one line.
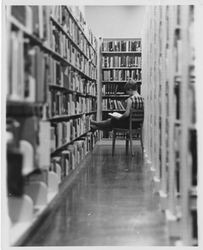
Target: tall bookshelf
[[51, 97], [121, 59], [170, 118]]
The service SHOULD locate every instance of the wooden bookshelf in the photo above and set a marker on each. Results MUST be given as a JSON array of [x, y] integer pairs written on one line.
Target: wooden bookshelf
[[120, 60], [51, 97], [170, 118]]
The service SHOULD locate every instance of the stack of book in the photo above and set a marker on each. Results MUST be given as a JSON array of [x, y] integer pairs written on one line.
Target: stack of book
[[122, 45], [121, 74], [121, 61]]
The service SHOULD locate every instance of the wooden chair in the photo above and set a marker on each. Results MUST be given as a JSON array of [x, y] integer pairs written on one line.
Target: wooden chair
[[135, 128]]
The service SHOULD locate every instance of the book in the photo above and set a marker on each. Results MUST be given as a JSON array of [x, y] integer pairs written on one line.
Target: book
[[15, 182], [19, 12], [115, 114], [44, 146], [36, 21], [32, 73], [29, 133]]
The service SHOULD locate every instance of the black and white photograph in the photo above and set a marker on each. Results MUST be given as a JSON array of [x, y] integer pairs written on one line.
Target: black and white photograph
[[101, 129]]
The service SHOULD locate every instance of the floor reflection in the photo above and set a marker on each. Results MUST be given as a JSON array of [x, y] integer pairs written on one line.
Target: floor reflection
[[110, 203]]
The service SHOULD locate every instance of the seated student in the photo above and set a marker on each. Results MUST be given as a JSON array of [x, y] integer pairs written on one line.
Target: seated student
[[134, 100]]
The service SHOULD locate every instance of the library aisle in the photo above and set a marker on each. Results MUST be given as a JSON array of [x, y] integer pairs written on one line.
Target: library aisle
[[110, 203], [66, 72]]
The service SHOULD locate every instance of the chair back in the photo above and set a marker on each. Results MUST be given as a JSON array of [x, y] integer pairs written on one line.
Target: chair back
[[136, 117]]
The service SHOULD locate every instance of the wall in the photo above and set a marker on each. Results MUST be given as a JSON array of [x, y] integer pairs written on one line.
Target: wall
[[115, 21]]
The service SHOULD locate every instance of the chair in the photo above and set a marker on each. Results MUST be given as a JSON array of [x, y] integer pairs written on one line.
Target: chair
[[135, 128]]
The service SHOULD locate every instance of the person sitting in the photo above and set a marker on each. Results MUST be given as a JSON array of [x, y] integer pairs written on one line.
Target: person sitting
[[135, 100]]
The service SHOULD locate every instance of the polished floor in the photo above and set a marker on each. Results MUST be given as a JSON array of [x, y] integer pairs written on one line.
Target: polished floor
[[110, 203]]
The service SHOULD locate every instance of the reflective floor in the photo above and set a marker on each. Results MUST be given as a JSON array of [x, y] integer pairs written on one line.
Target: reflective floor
[[110, 203]]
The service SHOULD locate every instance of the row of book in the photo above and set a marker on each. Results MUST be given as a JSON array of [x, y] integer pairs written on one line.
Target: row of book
[[84, 26], [61, 103], [121, 61], [73, 154], [192, 154], [108, 103], [63, 15], [28, 73], [35, 71], [31, 71], [191, 101], [121, 75], [28, 149], [36, 20], [177, 99], [70, 79], [56, 41], [178, 51], [30, 142], [64, 46], [177, 145], [122, 45], [66, 131], [113, 89], [77, 13]]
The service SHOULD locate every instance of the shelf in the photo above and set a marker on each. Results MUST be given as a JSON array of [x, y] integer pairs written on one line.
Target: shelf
[[17, 24], [60, 58], [120, 81], [113, 87], [122, 52], [122, 39], [91, 96], [177, 27], [70, 38], [192, 126], [59, 149], [177, 77], [64, 117], [193, 191], [24, 230], [115, 96], [38, 42], [74, 19], [193, 198], [22, 108], [26, 32], [63, 89], [20, 230], [68, 117], [26, 35], [177, 122], [109, 68]]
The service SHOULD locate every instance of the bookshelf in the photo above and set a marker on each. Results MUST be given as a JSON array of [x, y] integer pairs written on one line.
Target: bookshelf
[[170, 118], [120, 60], [51, 97]]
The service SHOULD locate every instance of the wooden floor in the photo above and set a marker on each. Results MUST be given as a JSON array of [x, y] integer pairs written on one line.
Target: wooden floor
[[110, 203]]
